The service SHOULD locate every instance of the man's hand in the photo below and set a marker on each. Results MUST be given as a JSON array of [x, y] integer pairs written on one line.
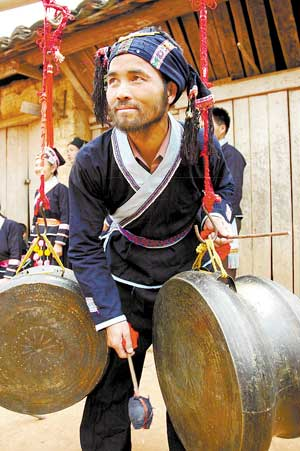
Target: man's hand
[[115, 335], [224, 228], [58, 249]]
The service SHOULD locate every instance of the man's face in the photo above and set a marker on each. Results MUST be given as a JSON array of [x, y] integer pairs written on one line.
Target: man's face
[[136, 94], [219, 129], [72, 151]]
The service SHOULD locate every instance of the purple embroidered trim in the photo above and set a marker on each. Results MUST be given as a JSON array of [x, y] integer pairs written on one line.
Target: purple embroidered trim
[[122, 168], [148, 243], [154, 195]]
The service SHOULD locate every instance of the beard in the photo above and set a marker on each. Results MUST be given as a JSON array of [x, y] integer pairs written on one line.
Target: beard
[[142, 119]]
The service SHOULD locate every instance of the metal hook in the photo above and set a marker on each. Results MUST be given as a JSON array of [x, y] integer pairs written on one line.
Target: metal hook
[[196, 228]]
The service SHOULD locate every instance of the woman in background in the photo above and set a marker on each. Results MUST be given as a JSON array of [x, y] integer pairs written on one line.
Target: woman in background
[[11, 242], [57, 216]]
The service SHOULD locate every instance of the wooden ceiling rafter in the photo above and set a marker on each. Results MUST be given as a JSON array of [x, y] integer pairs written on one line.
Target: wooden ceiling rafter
[[180, 38], [16, 67], [287, 31], [165, 27], [192, 31], [69, 74], [83, 66], [215, 49], [243, 38], [228, 41], [145, 15], [261, 32]]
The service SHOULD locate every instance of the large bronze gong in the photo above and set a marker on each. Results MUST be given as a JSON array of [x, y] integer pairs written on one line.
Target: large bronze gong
[[228, 362], [50, 353]]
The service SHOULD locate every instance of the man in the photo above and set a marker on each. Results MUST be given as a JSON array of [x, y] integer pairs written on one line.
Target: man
[[73, 148], [236, 164], [136, 174]]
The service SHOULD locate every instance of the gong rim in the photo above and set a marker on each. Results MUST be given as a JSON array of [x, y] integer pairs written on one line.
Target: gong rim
[[221, 378], [50, 355]]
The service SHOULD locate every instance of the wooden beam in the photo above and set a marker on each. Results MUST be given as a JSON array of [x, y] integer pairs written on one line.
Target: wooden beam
[[228, 41], [65, 69], [252, 86], [215, 49], [179, 37], [83, 66], [192, 31], [16, 67], [243, 38], [10, 4], [287, 31], [261, 33], [258, 85], [28, 70], [21, 119], [106, 32], [7, 70]]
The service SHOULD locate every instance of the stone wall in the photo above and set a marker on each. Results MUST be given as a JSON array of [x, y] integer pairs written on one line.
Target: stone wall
[[69, 112]]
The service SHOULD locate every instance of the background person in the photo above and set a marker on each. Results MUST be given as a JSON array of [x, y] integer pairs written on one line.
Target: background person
[[73, 148], [236, 164], [11, 242], [58, 215]]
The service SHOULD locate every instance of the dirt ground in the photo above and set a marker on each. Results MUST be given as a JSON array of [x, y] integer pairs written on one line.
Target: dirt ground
[[59, 431]]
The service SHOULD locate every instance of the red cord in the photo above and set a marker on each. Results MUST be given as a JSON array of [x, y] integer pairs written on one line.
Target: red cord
[[49, 41]]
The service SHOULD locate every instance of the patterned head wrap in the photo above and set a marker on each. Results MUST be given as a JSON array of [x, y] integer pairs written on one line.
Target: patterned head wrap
[[164, 54], [54, 157]]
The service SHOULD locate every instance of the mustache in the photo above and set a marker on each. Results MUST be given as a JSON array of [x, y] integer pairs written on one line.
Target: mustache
[[123, 104]]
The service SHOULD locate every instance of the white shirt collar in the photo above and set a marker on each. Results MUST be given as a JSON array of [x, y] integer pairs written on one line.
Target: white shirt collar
[[223, 141]]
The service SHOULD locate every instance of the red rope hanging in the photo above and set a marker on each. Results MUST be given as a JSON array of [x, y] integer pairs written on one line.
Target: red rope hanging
[[201, 6], [49, 41]]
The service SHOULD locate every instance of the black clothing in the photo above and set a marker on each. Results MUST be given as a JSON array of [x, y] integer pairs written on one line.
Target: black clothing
[[99, 185], [122, 283], [59, 210], [236, 164], [11, 242]]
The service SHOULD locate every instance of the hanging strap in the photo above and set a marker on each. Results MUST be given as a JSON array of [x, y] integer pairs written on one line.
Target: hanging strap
[[49, 41]]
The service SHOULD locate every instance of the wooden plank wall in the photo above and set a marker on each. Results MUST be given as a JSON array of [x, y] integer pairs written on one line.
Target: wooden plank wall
[[34, 138], [260, 127], [266, 129], [294, 103], [18, 148], [14, 172]]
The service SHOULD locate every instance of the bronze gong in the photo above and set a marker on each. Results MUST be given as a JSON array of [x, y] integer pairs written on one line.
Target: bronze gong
[[50, 353], [228, 362]]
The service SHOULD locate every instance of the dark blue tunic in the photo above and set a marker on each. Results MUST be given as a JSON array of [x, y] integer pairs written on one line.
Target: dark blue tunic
[[11, 242], [97, 187], [236, 164], [59, 209]]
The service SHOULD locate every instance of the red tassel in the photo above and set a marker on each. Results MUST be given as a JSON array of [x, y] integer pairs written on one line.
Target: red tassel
[[204, 104], [49, 41]]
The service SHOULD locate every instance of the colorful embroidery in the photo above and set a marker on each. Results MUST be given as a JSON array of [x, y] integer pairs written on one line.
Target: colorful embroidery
[[154, 244], [121, 48], [161, 53]]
